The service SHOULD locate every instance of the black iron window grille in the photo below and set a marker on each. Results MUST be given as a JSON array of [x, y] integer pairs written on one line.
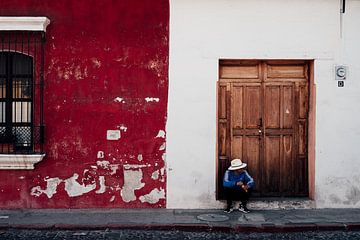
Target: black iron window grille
[[21, 92]]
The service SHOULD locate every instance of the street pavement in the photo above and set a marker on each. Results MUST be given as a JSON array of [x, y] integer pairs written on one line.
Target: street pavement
[[112, 234], [199, 220]]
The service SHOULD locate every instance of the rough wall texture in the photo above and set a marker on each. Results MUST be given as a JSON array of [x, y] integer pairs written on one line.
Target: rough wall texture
[[106, 68]]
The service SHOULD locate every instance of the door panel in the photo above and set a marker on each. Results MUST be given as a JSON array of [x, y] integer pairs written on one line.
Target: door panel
[[287, 166], [272, 107], [288, 107], [262, 119], [251, 156], [252, 105], [272, 166]]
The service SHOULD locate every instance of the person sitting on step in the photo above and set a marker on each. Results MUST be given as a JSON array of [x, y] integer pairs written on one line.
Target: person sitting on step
[[238, 185]]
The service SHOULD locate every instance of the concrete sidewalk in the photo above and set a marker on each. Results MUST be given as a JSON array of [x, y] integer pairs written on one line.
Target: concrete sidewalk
[[198, 220]]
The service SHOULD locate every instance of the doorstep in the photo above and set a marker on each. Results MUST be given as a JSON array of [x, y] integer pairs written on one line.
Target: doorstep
[[280, 203]]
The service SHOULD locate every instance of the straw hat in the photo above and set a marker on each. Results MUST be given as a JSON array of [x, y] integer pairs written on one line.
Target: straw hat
[[237, 164]]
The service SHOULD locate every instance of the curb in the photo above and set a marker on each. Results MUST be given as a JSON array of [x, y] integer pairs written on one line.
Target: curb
[[240, 228]]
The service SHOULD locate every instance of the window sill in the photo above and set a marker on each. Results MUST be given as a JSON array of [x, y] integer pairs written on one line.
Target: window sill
[[19, 161]]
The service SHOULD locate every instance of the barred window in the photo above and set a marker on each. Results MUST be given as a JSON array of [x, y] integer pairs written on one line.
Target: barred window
[[22, 41], [21, 92], [16, 100]]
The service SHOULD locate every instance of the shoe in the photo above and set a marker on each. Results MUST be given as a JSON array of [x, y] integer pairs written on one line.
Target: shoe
[[243, 209], [228, 210]]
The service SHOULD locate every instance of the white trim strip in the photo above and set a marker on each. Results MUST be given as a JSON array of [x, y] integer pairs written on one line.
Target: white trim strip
[[24, 23], [19, 161]]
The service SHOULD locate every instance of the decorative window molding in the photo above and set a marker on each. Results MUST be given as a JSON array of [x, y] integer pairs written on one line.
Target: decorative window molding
[[24, 23], [19, 161], [21, 84]]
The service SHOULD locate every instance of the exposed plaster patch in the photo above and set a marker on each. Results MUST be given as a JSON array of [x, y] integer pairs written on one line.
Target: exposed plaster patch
[[151, 99], [103, 164], [73, 188], [140, 157], [156, 66], [51, 186], [100, 154], [155, 175], [131, 166], [112, 198], [122, 127], [162, 171], [119, 100], [163, 157], [96, 62], [154, 196], [132, 182], [162, 147], [161, 134], [78, 74], [102, 185], [114, 168], [22, 177]]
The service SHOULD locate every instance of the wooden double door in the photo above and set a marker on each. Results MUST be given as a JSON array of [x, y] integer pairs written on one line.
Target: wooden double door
[[263, 120]]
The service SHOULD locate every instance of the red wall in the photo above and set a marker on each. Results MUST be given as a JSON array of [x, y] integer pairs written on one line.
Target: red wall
[[97, 52]]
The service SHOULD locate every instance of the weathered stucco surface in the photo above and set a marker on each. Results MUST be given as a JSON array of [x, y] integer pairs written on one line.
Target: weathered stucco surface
[[106, 68], [259, 29]]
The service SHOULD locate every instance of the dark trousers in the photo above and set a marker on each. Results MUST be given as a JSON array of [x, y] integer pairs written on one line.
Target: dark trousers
[[236, 194]]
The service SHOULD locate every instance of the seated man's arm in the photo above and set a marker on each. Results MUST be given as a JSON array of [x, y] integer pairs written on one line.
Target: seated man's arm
[[249, 180], [227, 182]]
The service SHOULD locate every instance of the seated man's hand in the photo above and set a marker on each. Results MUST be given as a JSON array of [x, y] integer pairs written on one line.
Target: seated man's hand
[[239, 184], [245, 187]]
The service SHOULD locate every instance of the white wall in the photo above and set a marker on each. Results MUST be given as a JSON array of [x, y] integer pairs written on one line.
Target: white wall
[[203, 31]]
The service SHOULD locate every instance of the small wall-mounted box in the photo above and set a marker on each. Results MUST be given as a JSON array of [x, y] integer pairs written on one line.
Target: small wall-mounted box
[[113, 135], [340, 72]]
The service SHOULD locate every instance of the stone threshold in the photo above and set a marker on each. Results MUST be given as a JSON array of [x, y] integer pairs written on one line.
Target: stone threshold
[[281, 203]]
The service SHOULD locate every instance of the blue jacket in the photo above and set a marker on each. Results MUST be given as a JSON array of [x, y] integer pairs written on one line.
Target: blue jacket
[[230, 179]]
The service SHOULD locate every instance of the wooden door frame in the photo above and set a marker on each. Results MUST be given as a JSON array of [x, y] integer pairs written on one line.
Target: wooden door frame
[[311, 125]]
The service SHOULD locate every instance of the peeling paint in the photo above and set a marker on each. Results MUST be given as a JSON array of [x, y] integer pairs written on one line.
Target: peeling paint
[[155, 175], [114, 168], [122, 127], [162, 147], [103, 164], [96, 62], [112, 199], [152, 99], [161, 134], [163, 157], [74, 188], [132, 182], [154, 196], [130, 166], [100, 154], [102, 185], [119, 100], [162, 171], [107, 166], [22, 177], [140, 157], [51, 186]]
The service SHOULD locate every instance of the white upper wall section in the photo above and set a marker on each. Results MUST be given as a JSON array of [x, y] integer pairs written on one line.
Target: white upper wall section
[[204, 31], [24, 23]]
